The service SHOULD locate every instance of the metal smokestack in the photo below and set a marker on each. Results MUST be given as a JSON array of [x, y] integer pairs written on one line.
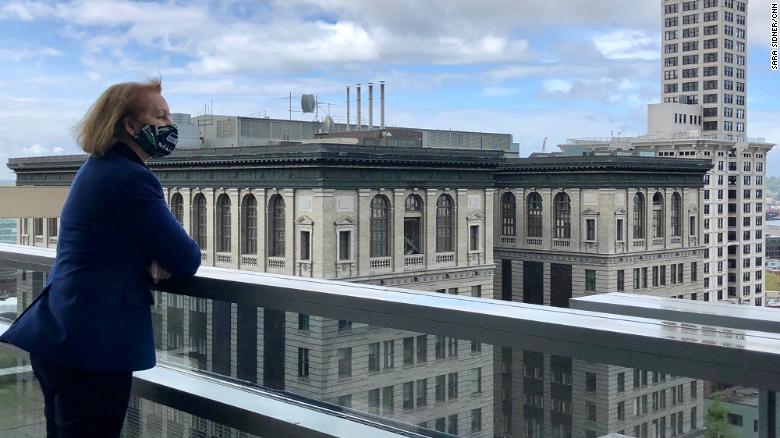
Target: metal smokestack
[[358, 123], [381, 104], [370, 105], [347, 108]]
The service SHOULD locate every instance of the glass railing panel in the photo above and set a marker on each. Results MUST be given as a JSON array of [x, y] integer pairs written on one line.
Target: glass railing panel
[[440, 383], [429, 381]]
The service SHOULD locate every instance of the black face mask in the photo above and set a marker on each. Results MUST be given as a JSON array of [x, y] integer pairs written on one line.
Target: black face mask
[[157, 141]]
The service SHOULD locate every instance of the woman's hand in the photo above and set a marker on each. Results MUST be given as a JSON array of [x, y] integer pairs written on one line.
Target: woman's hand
[[157, 272]]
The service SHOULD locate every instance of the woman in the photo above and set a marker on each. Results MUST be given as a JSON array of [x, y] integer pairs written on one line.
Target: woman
[[91, 326]]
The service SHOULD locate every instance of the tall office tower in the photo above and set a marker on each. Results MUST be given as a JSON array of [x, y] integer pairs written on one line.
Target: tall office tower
[[703, 116], [705, 62]]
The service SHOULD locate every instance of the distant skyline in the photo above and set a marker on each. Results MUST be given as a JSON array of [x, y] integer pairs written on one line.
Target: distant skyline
[[532, 68]]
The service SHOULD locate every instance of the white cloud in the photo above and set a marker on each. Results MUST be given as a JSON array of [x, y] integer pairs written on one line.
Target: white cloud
[[21, 53], [24, 10], [628, 44], [36, 149], [556, 86]]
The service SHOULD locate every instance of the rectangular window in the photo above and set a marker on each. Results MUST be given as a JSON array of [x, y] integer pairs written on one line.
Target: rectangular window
[[408, 396], [422, 348], [590, 280], [621, 381], [474, 238], [619, 230], [373, 357], [389, 357], [453, 347], [345, 245], [373, 401], [303, 321], [590, 229], [655, 276], [636, 278], [440, 388], [388, 400], [452, 386], [590, 382], [476, 420], [621, 278], [644, 278], [409, 351], [440, 347], [345, 362], [305, 245], [422, 392], [476, 380], [303, 362]]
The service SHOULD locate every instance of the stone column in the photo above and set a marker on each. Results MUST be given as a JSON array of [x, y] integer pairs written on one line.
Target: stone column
[[262, 232], [431, 196], [668, 192], [575, 217], [487, 232], [398, 208], [45, 236], [186, 218], [630, 192], [235, 226], [363, 239], [547, 217], [520, 225], [323, 239], [211, 245], [461, 228], [648, 218], [289, 230]]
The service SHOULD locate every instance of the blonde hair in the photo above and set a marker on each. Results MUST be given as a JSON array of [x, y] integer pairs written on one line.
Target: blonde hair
[[103, 126]]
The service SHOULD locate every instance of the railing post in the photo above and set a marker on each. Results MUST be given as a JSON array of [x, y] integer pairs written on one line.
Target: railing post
[[767, 414]]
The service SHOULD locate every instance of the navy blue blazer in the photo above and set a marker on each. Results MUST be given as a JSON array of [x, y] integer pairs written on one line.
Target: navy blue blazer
[[94, 311]]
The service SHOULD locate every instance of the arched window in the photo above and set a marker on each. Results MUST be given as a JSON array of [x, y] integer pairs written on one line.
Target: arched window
[[380, 227], [223, 223], [249, 225], [676, 216], [199, 226], [534, 215], [444, 224], [508, 214], [658, 215], [639, 216], [177, 207], [276, 234], [413, 220], [413, 203], [562, 205]]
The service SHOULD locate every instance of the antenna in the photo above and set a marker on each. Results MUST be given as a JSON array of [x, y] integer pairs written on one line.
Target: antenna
[[544, 144]]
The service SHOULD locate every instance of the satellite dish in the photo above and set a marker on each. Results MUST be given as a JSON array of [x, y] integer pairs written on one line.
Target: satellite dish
[[328, 125], [308, 103]]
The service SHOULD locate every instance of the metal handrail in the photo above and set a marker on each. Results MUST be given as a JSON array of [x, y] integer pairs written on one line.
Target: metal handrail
[[748, 358]]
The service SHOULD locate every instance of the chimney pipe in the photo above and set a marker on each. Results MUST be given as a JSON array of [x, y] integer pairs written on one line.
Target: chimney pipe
[[382, 104], [370, 105], [358, 123], [347, 108]]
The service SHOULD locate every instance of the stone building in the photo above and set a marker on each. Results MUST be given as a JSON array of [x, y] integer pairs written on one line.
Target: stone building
[[573, 226], [418, 220]]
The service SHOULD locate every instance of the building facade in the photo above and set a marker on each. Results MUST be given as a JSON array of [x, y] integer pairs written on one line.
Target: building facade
[[705, 62], [732, 208], [355, 213], [573, 226]]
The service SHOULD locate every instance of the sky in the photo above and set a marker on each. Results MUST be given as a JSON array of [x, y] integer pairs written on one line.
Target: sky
[[532, 68]]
